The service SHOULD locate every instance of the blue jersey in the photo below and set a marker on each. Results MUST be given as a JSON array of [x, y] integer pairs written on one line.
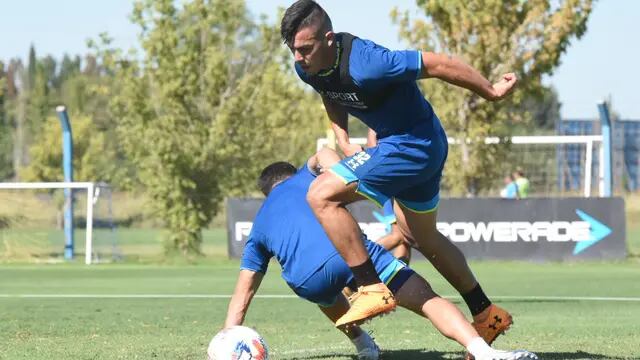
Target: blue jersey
[[285, 227], [378, 86]]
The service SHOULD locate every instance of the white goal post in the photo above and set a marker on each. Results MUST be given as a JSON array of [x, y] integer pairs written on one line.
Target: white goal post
[[587, 140], [90, 189]]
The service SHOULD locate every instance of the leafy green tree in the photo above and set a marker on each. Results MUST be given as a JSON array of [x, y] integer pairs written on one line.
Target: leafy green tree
[[543, 109], [6, 143], [69, 67], [10, 96], [18, 112], [32, 94], [211, 104], [31, 68], [11, 76], [93, 159], [525, 37]]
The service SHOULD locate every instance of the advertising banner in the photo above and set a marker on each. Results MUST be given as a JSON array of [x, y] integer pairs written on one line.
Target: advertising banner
[[538, 229]]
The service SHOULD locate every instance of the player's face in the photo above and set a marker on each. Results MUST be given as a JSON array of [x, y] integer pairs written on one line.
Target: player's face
[[311, 49]]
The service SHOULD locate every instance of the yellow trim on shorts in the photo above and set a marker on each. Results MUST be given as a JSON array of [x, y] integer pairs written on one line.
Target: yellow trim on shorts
[[346, 182], [374, 201], [417, 211], [396, 272]]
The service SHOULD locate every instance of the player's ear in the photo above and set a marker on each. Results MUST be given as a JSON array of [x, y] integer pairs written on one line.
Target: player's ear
[[330, 37]]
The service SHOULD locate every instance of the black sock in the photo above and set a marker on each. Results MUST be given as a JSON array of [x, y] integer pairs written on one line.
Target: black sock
[[365, 273], [476, 300]]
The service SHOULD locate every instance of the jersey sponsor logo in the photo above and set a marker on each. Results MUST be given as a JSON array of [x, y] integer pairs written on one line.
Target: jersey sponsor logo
[[358, 159], [344, 98], [584, 233]]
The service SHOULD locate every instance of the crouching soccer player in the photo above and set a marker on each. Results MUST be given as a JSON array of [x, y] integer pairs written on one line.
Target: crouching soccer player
[[286, 228]]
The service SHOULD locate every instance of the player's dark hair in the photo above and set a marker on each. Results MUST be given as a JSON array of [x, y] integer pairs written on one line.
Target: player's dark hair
[[273, 174], [302, 14]]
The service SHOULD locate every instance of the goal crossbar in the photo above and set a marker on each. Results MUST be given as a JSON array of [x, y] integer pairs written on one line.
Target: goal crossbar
[[541, 139], [90, 188], [588, 140]]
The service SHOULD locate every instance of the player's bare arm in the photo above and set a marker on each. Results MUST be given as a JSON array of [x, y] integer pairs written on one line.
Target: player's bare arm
[[391, 240], [324, 159], [372, 138], [457, 72], [246, 287], [340, 125]]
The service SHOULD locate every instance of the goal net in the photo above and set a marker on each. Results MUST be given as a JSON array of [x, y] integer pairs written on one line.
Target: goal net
[[32, 219], [555, 165]]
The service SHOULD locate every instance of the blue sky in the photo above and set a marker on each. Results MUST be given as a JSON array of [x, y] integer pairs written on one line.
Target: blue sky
[[605, 62]]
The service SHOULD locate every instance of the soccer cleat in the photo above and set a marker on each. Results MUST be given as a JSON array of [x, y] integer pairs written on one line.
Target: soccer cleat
[[495, 322], [509, 355], [369, 302], [369, 353], [367, 348], [348, 293]]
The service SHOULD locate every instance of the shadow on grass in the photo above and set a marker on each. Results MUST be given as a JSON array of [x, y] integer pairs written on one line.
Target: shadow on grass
[[439, 355]]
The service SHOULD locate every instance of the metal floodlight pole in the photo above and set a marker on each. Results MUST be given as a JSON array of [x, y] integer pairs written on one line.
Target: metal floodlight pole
[[605, 122], [67, 166]]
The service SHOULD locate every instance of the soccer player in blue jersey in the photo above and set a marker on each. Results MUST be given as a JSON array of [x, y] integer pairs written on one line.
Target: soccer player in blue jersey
[[378, 86], [285, 228]]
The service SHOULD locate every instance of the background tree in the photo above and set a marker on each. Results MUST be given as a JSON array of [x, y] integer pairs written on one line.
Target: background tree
[[526, 37], [93, 158], [211, 104], [6, 143]]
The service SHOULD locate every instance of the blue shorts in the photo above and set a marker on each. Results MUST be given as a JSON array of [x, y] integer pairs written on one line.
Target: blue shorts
[[324, 286], [406, 167]]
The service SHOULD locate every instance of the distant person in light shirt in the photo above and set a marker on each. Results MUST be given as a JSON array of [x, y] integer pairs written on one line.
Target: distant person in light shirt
[[522, 182], [510, 190]]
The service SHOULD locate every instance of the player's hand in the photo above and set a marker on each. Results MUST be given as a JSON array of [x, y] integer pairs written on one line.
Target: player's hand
[[351, 149], [504, 87]]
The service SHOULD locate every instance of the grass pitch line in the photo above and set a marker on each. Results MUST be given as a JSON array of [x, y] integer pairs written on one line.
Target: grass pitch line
[[285, 296], [135, 296]]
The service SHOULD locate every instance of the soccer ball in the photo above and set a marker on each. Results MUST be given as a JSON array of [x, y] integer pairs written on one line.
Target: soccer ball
[[238, 343]]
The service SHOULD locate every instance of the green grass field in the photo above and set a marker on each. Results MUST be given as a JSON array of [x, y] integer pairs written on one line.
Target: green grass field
[[120, 311], [150, 307]]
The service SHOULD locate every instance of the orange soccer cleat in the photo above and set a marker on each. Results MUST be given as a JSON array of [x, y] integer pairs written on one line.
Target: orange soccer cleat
[[491, 323], [369, 302]]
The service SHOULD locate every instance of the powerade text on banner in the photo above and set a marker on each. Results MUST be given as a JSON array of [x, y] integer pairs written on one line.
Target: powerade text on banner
[[531, 229]]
